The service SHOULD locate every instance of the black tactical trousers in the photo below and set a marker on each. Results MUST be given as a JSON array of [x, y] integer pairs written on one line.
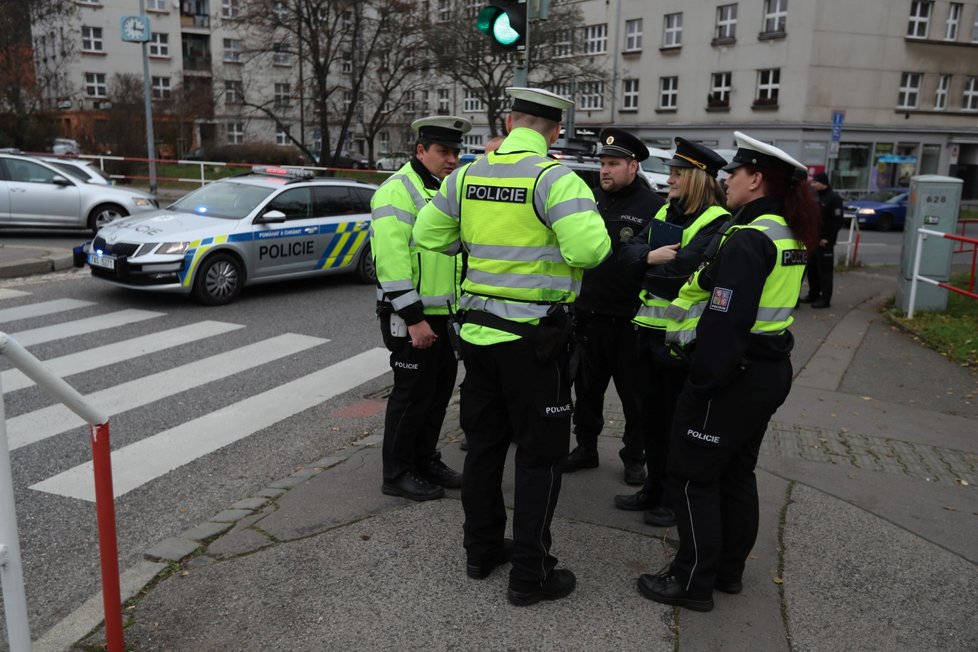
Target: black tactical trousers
[[607, 351], [662, 378], [712, 455], [509, 395], [423, 384], [819, 270]]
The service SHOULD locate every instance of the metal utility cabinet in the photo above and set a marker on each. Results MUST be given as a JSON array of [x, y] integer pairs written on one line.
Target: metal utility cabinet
[[934, 204]]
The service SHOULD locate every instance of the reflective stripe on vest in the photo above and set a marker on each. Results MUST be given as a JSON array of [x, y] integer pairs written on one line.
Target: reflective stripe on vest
[[503, 201], [652, 312]]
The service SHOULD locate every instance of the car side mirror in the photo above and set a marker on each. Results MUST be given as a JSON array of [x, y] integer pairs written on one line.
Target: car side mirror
[[272, 217], [60, 181]]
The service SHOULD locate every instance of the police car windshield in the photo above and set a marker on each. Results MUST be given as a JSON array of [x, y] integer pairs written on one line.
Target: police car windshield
[[224, 199]]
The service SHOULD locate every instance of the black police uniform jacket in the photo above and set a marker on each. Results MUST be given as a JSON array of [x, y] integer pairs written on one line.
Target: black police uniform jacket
[[612, 287], [665, 280], [724, 343], [831, 204]]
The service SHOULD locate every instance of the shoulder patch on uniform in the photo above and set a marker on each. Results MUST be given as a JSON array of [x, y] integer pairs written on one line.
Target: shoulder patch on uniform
[[720, 299]]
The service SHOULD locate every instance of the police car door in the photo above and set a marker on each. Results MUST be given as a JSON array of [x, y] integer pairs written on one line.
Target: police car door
[[345, 222], [288, 247]]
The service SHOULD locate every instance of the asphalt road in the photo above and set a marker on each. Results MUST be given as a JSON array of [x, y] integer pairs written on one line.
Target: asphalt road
[[256, 367]]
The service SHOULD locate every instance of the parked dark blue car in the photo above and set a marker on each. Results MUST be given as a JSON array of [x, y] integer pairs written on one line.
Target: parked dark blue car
[[882, 210]]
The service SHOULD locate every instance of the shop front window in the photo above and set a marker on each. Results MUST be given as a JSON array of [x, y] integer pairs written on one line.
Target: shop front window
[[851, 168], [930, 159]]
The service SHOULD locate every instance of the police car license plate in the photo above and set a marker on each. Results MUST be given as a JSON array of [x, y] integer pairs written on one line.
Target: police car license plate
[[95, 260]]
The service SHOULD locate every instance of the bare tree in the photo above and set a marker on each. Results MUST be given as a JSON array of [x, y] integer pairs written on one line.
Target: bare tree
[[335, 45], [24, 86], [556, 58]]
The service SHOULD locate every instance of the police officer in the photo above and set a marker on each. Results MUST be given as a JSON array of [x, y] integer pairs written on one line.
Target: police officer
[[696, 209], [820, 267], [740, 375], [529, 226], [415, 292], [604, 309]]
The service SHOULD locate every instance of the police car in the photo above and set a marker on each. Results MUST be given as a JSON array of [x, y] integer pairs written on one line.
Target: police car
[[267, 225]]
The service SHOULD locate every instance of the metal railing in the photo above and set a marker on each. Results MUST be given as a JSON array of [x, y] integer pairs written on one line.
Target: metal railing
[[11, 567], [923, 234]]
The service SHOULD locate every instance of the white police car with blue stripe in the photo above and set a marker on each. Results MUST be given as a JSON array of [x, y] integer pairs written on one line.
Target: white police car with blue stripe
[[267, 225]]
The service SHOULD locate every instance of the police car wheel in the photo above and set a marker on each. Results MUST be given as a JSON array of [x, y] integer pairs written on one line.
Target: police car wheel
[[366, 271], [219, 280]]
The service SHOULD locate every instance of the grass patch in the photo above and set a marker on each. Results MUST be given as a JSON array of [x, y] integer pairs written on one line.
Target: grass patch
[[954, 333]]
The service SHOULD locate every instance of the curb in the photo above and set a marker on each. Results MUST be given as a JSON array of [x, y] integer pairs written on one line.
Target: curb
[[46, 262]]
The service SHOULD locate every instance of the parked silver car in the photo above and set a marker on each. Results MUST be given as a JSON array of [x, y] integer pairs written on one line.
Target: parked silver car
[[81, 169], [272, 224], [35, 193]]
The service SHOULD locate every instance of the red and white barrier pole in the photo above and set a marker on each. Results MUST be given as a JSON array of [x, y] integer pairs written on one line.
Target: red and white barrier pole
[[108, 548]]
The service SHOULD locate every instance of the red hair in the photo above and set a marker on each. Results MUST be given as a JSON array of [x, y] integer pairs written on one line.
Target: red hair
[[801, 211]]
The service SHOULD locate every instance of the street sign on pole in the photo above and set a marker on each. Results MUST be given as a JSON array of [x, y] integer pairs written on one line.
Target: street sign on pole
[[837, 118]]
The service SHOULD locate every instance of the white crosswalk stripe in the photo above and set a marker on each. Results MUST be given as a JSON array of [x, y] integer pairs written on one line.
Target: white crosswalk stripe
[[136, 464], [157, 454], [41, 309], [56, 419], [82, 326], [103, 356], [6, 293]]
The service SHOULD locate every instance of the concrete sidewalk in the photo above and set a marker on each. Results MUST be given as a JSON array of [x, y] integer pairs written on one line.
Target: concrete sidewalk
[[868, 533], [21, 260]]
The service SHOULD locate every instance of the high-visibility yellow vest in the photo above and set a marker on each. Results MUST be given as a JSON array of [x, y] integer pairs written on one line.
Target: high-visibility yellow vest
[[652, 312], [426, 276], [778, 297]]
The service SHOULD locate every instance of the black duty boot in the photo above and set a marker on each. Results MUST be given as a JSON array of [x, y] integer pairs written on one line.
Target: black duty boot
[[580, 458], [636, 502], [411, 486], [437, 472], [559, 584], [667, 589], [479, 569]]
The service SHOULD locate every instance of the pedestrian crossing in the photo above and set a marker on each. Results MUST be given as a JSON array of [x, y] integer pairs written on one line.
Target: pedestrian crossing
[[155, 455]]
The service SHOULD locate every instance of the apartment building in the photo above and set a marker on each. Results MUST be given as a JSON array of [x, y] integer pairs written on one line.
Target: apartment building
[[872, 91]]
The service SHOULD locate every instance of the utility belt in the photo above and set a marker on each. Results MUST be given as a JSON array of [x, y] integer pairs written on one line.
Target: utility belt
[[553, 335]]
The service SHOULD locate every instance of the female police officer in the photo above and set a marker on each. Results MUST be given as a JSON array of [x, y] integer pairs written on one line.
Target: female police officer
[[696, 211], [740, 375]]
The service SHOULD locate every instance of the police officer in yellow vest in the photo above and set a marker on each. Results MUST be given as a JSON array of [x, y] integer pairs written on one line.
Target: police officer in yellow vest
[[740, 375], [530, 227], [695, 213], [416, 290]]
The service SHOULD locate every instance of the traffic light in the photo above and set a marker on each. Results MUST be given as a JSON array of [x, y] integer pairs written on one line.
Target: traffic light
[[504, 22]]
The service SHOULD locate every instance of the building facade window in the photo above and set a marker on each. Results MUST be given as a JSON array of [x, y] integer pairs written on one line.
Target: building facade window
[[235, 133], [629, 95], [444, 11], [95, 84], [919, 19], [230, 9], [161, 88], [282, 94], [563, 43], [471, 102], [974, 30], [281, 55], [592, 95], [385, 142], [768, 85], [471, 141], [909, 90], [668, 92], [92, 39], [156, 5], [346, 64], [596, 39], [940, 95], [563, 89], [233, 92], [726, 28], [633, 35], [953, 20], [444, 101], [672, 30], [969, 101], [282, 135], [720, 89], [232, 50], [159, 45], [775, 15]]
